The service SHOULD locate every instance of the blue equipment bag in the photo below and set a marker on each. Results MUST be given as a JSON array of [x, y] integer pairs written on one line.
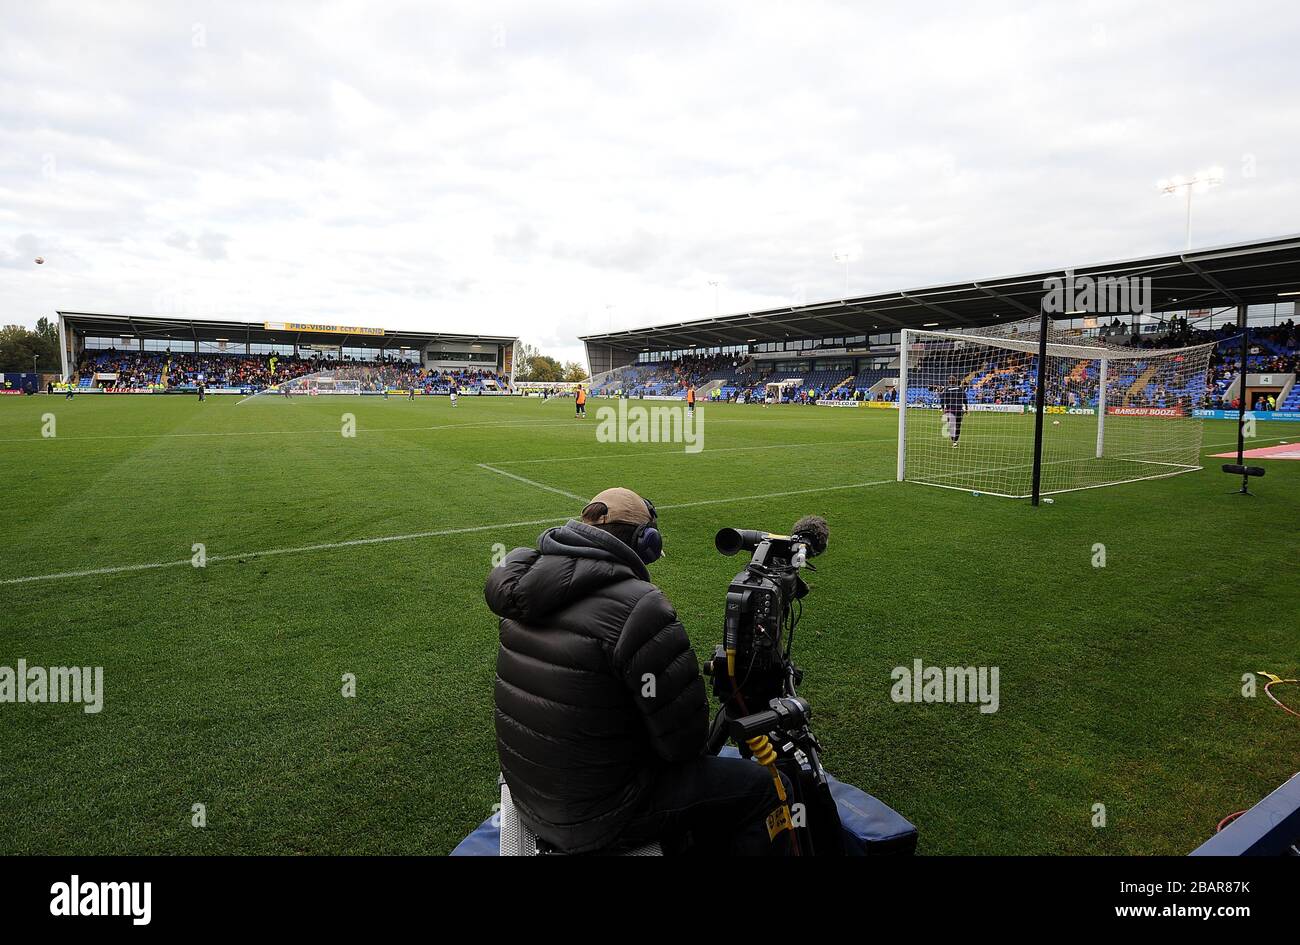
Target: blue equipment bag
[[870, 827]]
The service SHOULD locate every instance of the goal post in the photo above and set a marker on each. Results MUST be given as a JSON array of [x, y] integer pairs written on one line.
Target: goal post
[[969, 410], [902, 404], [1101, 407]]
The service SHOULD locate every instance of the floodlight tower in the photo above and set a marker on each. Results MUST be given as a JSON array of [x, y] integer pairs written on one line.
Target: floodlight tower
[[1199, 183], [845, 256]]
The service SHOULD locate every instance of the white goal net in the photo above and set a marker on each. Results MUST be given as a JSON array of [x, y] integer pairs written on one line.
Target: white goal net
[[1112, 414], [324, 382], [343, 380]]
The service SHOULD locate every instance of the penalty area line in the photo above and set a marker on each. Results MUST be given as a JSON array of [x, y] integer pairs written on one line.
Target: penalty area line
[[656, 454], [777, 495], [411, 536], [531, 482], [273, 552], [332, 432]]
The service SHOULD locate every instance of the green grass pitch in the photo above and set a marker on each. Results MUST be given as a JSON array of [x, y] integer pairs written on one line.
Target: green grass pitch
[[1119, 685]]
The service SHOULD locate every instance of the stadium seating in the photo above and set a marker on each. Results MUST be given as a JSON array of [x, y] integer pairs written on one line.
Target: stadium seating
[[672, 378], [181, 371], [1007, 378]]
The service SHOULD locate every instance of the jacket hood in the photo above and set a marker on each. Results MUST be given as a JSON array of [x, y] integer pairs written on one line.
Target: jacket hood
[[572, 561]]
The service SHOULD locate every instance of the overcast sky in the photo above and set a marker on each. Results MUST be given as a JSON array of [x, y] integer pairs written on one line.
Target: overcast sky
[[551, 169]]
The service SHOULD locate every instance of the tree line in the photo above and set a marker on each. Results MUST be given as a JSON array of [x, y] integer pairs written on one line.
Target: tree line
[[19, 345], [532, 365]]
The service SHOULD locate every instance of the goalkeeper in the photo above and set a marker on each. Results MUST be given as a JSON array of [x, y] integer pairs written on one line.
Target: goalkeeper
[[952, 401]]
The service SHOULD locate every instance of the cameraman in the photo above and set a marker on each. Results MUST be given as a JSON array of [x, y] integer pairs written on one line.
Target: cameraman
[[601, 714]]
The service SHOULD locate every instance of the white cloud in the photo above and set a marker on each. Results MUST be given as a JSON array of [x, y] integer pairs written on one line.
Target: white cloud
[[551, 169]]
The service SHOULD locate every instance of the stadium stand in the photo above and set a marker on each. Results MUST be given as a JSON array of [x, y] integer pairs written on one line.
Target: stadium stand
[[166, 371], [671, 378], [160, 354], [1006, 379]]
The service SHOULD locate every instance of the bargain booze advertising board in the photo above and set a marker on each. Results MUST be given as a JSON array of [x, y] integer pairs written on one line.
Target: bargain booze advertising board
[[1146, 411]]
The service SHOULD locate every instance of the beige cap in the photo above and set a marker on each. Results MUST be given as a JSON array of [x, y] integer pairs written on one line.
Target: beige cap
[[616, 505]]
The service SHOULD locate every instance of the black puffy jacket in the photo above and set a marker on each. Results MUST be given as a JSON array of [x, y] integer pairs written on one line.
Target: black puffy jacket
[[583, 635]]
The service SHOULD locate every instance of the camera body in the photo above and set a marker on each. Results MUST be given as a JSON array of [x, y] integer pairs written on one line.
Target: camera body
[[755, 679], [758, 611]]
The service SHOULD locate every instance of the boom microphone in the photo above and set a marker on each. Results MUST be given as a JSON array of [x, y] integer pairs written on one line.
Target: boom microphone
[[814, 532]]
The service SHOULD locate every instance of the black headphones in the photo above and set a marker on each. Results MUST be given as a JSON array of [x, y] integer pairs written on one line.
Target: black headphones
[[647, 542]]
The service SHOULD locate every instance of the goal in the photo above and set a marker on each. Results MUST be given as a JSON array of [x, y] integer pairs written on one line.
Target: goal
[[338, 381], [1112, 414], [343, 385], [325, 382]]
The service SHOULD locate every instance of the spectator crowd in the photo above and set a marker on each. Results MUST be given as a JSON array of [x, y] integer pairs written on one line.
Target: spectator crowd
[[141, 370]]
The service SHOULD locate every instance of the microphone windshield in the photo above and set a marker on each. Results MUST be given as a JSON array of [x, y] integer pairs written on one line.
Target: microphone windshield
[[813, 530]]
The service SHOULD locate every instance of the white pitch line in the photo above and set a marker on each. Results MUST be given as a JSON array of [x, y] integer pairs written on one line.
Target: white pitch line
[[270, 552], [1082, 459], [656, 453], [260, 393], [776, 495], [334, 431], [531, 482], [412, 536], [91, 572], [1257, 439]]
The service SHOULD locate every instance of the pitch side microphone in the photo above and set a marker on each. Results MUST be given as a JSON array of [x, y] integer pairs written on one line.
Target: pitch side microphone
[[813, 531]]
